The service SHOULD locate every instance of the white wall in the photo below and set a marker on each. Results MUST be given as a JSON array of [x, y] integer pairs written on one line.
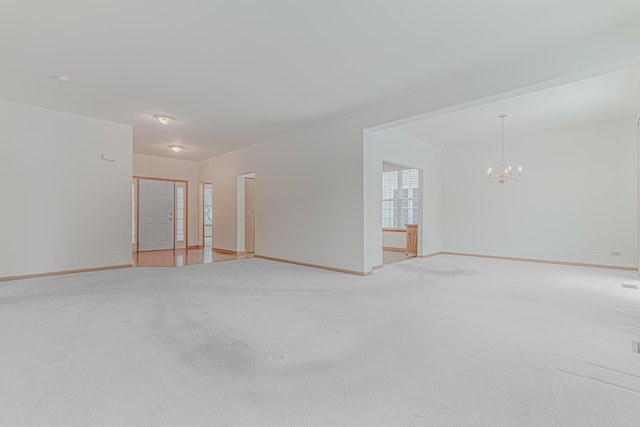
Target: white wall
[[394, 239], [577, 201], [305, 211], [63, 207], [164, 167], [399, 148]]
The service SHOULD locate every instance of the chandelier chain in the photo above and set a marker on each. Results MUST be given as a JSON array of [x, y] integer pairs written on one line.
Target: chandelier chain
[[502, 139]]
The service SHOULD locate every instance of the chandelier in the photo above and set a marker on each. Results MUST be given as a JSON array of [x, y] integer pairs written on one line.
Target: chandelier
[[506, 173]]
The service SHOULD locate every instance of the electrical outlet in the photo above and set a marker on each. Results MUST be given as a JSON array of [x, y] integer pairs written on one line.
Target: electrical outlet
[[616, 253], [116, 253]]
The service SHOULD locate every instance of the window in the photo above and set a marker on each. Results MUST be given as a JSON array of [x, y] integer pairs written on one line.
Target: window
[[400, 198], [208, 204], [207, 229], [180, 215]]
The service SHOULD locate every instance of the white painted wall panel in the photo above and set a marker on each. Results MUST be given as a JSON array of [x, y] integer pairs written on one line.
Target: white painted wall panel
[[576, 202], [63, 206], [308, 195], [394, 239]]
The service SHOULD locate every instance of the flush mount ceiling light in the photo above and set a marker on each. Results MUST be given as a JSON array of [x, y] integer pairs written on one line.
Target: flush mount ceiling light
[[506, 173], [60, 78], [176, 148], [163, 119]]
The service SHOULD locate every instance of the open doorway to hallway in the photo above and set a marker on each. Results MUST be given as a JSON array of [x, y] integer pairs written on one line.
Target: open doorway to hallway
[[388, 150]]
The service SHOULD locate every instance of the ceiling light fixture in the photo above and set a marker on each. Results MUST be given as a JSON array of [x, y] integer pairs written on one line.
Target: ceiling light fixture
[[506, 173], [176, 148], [60, 78], [165, 120]]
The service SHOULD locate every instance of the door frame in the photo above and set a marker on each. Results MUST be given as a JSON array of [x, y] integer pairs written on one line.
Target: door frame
[[136, 179], [240, 211], [253, 213]]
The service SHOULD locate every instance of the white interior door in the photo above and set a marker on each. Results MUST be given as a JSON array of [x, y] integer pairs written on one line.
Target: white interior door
[[156, 205]]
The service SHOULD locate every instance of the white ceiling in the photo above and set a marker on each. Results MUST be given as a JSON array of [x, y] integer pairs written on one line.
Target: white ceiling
[[606, 97], [240, 71]]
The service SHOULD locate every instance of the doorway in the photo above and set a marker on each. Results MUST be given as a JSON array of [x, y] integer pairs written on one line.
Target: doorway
[[161, 214], [401, 212]]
